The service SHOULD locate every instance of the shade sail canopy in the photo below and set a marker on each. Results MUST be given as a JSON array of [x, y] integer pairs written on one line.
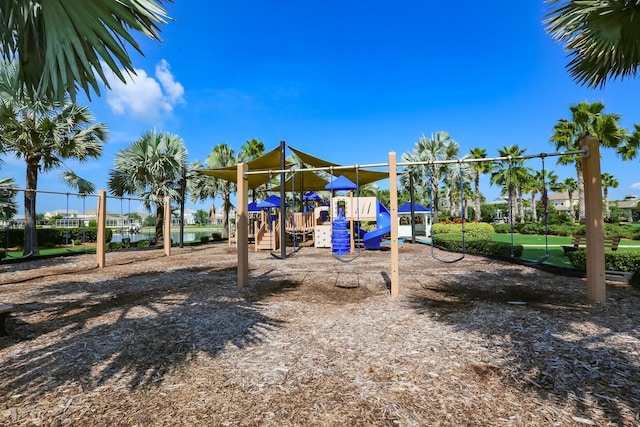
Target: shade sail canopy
[[341, 183], [303, 181], [362, 177], [417, 208], [253, 207], [266, 162]]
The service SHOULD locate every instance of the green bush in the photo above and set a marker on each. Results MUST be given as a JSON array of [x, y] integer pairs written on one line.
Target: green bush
[[50, 237], [472, 230], [204, 239], [502, 228], [616, 261], [143, 243], [453, 242], [216, 235], [112, 246]]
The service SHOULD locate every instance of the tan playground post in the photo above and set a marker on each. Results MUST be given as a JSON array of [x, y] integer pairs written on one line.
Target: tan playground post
[[393, 206], [167, 226], [242, 225], [594, 222], [101, 244]]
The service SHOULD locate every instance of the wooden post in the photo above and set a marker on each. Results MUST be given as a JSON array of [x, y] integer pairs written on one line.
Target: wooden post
[[596, 282], [393, 193], [242, 225], [167, 226], [101, 244]]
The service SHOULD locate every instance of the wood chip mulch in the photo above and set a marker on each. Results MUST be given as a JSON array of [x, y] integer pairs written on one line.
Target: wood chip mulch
[[164, 341]]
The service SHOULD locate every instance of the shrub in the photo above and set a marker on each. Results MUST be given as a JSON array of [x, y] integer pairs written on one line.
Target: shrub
[[453, 242], [472, 230], [216, 235], [616, 261], [204, 239]]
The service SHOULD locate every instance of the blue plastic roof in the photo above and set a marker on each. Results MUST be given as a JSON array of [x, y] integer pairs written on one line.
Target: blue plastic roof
[[417, 207], [341, 183]]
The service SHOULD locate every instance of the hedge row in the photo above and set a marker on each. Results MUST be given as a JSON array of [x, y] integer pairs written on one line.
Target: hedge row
[[50, 237], [472, 230], [453, 242], [623, 231], [616, 261]]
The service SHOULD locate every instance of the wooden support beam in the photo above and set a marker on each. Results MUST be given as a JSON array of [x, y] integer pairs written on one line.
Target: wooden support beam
[[101, 244], [596, 280], [393, 192], [242, 225]]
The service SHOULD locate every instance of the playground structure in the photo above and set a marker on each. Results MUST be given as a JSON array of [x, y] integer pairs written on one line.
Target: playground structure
[[315, 226], [421, 225], [596, 285]]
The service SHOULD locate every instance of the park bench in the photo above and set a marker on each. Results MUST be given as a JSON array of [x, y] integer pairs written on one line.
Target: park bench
[[580, 241], [5, 310]]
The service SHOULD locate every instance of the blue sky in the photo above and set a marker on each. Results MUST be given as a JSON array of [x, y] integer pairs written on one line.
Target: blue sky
[[351, 81]]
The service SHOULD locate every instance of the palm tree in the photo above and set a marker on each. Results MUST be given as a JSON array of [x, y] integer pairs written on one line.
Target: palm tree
[[60, 48], [608, 181], [150, 168], [8, 205], [513, 175], [222, 156], [541, 181], [201, 186], [437, 148], [586, 119], [252, 150], [600, 36], [44, 134], [570, 185], [478, 168]]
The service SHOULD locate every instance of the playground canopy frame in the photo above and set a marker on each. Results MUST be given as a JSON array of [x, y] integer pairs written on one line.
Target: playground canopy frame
[[596, 285]]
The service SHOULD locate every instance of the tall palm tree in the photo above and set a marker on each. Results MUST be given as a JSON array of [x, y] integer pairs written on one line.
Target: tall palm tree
[[44, 134], [570, 185], [608, 181], [151, 169], [432, 150], [601, 37], [540, 181], [512, 174], [479, 168], [8, 205], [61, 45], [222, 156], [251, 150], [586, 119]]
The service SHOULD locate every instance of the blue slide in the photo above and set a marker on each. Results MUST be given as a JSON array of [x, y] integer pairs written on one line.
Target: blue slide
[[373, 239]]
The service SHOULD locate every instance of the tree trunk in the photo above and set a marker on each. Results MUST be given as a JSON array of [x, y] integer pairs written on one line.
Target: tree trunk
[[607, 210], [534, 211], [226, 207], [581, 205], [160, 224], [30, 231], [477, 211]]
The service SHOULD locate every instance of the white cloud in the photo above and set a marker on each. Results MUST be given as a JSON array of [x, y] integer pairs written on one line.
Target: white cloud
[[635, 186], [143, 97]]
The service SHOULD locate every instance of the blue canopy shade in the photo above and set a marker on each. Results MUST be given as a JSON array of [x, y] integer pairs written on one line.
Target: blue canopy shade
[[417, 207], [253, 207], [272, 201], [341, 183], [310, 195]]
